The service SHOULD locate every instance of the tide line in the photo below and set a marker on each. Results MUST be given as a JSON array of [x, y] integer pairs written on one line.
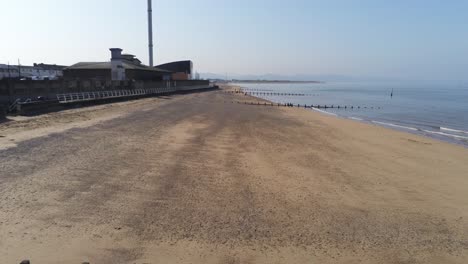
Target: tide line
[[445, 134], [393, 125], [324, 112], [453, 130]]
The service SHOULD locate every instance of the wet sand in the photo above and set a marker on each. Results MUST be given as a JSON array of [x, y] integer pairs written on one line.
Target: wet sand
[[198, 179]]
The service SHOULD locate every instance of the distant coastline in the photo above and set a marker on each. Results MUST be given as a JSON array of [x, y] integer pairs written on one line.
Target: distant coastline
[[272, 81], [262, 81]]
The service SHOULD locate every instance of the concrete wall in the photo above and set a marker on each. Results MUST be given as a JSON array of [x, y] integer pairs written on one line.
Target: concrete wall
[[3, 109], [180, 76], [11, 90], [141, 75]]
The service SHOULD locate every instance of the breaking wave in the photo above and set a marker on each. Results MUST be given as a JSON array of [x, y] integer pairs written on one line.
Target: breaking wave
[[446, 134], [453, 130], [393, 125], [324, 112]]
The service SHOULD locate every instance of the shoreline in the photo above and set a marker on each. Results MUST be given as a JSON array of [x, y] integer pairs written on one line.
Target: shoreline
[[460, 140], [276, 82], [209, 180]]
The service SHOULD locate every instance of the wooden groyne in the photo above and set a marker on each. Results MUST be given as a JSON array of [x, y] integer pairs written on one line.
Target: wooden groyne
[[269, 93], [318, 106], [258, 90]]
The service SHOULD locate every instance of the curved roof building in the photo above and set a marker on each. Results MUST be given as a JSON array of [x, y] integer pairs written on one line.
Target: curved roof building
[[182, 70]]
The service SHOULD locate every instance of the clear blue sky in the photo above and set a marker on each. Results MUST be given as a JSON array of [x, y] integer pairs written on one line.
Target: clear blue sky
[[402, 39]]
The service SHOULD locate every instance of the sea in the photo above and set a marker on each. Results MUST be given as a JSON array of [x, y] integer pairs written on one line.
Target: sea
[[434, 109]]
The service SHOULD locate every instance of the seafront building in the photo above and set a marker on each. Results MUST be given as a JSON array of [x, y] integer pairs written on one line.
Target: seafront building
[[121, 67], [181, 70]]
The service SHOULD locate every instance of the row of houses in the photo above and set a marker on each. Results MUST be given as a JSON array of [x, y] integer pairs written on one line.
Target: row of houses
[[39, 71], [120, 67]]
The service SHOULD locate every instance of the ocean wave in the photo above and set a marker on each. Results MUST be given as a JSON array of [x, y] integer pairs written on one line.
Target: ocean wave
[[453, 130], [324, 112], [393, 125], [446, 134], [356, 118]]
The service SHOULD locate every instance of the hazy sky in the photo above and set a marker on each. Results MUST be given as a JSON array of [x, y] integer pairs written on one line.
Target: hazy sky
[[417, 39]]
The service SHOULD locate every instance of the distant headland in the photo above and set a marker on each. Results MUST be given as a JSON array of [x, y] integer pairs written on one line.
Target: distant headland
[[270, 81]]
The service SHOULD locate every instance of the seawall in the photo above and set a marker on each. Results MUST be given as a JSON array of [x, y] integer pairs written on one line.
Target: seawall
[[32, 97]]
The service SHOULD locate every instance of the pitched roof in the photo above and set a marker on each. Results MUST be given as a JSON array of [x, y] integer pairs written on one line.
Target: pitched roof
[[107, 66], [49, 66]]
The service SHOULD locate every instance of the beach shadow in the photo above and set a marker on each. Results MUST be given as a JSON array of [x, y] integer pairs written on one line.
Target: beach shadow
[[164, 97], [4, 120]]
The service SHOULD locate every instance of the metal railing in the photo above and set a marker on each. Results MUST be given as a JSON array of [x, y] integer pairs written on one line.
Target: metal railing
[[92, 96], [13, 105]]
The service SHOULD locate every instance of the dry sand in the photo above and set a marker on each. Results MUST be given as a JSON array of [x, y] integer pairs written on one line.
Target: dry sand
[[198, 179]]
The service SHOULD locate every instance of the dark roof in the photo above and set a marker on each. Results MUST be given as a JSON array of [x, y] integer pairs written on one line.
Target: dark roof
[[107, 66], [177, 66], [49, 66]]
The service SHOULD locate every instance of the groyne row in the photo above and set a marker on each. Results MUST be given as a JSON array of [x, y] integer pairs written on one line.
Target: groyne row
[[258, 90], [318, 106], [270, 93]]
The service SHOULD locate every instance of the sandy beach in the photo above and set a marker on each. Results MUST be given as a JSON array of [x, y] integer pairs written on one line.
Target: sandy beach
[[200, 178]]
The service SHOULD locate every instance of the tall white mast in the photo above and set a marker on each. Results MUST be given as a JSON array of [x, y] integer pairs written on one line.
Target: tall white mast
[[150, 32]]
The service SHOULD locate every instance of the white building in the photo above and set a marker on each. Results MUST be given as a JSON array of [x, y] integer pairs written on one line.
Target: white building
[[8, 71], [36, 72]]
